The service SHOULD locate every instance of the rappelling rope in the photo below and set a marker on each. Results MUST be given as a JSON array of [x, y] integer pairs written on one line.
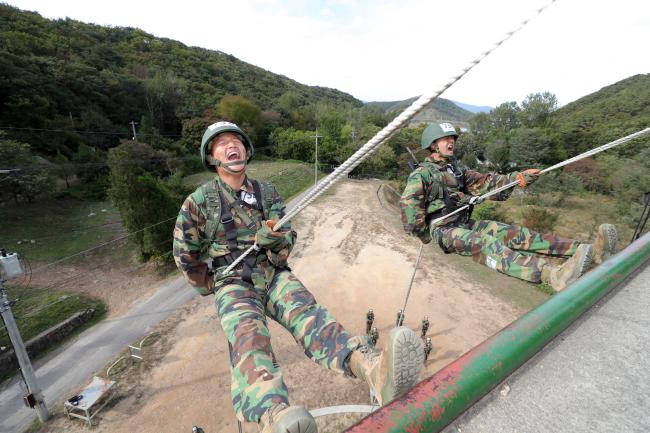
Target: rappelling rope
[[408, 289], [383, 135], [556, 166]]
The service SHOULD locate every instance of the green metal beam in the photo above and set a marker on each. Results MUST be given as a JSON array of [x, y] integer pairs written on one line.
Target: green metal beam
[[437, 401]]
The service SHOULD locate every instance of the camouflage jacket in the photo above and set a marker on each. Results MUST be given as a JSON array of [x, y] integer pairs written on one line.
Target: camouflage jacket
[[193, 248], [423, 196]]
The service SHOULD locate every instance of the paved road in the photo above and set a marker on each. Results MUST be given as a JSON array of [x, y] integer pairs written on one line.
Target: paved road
[[65, 370], [594, 377]]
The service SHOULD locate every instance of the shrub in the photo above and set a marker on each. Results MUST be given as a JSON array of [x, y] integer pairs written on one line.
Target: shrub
[[490, 210], [539, 219]]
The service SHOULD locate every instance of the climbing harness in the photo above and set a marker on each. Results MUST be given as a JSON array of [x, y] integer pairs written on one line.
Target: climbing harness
[[382, 136], [221, 205], [556, 166], [443, 192]]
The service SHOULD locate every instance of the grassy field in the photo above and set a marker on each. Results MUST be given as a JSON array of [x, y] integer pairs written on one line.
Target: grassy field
[[578, 216], [53, 228], [289, 177], [38, 309]]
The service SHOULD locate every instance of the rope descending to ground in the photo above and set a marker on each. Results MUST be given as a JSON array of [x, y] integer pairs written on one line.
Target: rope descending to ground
[[383, 135]]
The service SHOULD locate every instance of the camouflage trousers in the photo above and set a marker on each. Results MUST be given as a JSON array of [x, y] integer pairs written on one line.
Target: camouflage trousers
[[507, 248], [257, 382]]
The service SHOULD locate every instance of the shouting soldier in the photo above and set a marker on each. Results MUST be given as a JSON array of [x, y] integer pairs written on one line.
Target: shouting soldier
[[219, 221], [441, 185]]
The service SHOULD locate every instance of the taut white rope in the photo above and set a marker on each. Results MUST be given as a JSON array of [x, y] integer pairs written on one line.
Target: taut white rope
[[383, 135]]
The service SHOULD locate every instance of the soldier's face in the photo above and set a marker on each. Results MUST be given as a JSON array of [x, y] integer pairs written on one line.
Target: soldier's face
[[444, 146], [228, 147]]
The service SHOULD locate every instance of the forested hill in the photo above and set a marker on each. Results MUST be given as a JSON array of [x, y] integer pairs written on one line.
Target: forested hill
[[67, 75], [610, 113], [439, 110]]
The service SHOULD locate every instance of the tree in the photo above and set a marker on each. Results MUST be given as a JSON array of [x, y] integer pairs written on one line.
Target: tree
[[536, 109], [144, 202], [163, 94], [533, 146], [498, 155], [290, 143], [91, 170], [380, 163], [481, 125], [32, 178], [505, 117], [244, 113], [64, 168]]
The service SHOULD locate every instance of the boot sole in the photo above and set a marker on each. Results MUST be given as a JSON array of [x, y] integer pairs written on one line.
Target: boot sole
[[298, 420], [405, 360], [610, 237]]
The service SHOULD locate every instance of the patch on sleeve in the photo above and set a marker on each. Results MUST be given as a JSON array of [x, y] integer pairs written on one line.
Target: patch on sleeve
[[490, 262]]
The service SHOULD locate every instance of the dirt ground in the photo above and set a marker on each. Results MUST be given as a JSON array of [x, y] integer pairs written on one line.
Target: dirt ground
[[116, 282], [353, 255]]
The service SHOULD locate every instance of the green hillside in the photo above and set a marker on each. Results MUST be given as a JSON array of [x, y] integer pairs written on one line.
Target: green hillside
[[439, 110], [610, 113], [62, 79]]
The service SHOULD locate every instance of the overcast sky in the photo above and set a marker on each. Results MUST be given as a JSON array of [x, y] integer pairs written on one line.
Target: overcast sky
[[385, 50]]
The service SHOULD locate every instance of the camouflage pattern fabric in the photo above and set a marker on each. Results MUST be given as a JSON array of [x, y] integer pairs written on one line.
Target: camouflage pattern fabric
[[257, 383], [243, 308], [499, 246], [504, 247], [192, 246], [423, 194]]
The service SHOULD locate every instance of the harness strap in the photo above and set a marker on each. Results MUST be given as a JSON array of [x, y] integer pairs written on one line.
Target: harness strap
[[258, 196], [228, 223], [235, 205], [450, 205], [231, 239]]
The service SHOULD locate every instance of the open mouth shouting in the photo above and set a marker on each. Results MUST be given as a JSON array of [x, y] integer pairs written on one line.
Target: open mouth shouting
[[233, 155]]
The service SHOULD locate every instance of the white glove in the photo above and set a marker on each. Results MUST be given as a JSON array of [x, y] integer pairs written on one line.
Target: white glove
[[476, 200]]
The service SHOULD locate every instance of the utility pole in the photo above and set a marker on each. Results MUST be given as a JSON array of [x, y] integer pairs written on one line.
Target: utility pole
[[135, 137], [10, 267], [316, 157]]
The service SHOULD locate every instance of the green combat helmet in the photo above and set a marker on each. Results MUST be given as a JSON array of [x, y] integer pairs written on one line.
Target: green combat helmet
[[215, 129], [435, 131]]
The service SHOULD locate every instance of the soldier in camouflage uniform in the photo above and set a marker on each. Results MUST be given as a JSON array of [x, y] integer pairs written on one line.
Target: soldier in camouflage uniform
[[218, 222], [441, 184]]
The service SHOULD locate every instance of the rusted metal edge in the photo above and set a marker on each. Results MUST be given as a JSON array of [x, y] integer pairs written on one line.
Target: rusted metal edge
[[437, 401]]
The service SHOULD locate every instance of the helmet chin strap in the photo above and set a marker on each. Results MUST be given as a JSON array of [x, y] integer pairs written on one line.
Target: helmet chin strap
[[226, 165]]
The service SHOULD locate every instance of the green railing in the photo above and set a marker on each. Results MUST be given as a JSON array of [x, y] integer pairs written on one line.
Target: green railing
[[437, 401]]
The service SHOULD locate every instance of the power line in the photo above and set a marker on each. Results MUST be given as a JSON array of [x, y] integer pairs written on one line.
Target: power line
[[76, 131], [57, 166], [100, 245], [68, 231]]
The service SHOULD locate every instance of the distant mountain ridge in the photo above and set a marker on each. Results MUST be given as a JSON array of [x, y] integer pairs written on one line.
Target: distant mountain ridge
[[438, 111], [474, 108]]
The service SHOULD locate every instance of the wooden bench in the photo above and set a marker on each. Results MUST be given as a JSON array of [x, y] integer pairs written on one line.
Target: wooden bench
[[93, 398]]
